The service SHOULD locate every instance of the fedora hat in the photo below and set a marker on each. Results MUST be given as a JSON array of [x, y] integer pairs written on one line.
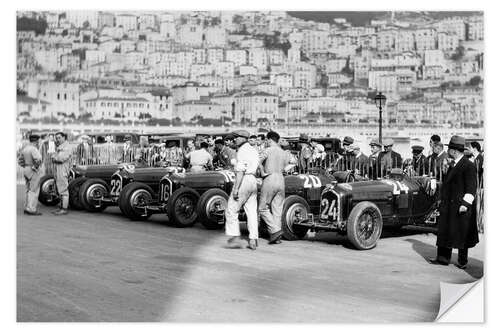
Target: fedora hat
[[457, 142]]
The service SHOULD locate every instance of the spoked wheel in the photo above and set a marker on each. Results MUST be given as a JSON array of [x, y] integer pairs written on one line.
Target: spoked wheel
[[364, 225], [92, 192], [295, 209], [181, 207], [48, 192], [211, 208], [133, 199]]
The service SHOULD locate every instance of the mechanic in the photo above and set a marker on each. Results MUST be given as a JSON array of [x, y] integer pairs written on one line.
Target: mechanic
[[30, 160], [419, 162], [457, 226], [374, 168], [305, 153], [61, 159], [243, 194], [272, 192], [200, 159]]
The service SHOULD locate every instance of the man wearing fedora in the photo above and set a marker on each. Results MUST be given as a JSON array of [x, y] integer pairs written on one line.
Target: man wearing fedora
[[305, 153], [457, 227]]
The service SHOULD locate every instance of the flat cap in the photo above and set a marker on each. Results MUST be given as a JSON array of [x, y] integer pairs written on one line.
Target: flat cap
[[387, 142], [34, 137], [417, 149], [230, 136], [241, 133], [304, 138], [375, 142], [348, 140]]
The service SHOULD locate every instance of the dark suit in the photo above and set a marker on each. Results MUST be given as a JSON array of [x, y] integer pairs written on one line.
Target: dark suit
[[436, 165], [457, 230], [388, 161], [479, 161]]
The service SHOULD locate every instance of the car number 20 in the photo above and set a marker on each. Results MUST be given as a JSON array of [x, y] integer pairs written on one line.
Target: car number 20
[[311, 181], [116, 186]]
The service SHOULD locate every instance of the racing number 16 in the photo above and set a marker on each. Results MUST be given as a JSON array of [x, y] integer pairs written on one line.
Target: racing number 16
[[311, 181]]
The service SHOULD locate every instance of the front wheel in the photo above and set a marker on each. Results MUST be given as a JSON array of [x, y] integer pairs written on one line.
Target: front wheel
[[92, 192], [181, 207], [364, 225], [74, 193], [211, 208], [48, 195], [295, 209], [133, 199]]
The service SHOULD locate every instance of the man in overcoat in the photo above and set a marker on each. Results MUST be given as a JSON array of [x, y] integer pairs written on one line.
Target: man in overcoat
[[457, 227]]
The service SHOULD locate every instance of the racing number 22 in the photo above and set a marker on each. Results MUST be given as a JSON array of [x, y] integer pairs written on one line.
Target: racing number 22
[[116, 185], [311, 181]]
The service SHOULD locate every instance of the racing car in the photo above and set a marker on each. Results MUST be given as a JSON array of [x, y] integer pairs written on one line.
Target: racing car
[[361, 209], [78, 175], [190, 197]]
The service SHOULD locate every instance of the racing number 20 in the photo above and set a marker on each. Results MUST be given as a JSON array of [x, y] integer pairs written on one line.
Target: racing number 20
[[311, 181]]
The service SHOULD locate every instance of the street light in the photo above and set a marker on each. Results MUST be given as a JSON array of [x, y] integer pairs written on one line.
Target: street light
[[380, 102]]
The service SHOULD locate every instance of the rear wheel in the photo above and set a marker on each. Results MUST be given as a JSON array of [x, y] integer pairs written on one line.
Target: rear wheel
[[181, 207], [92, 191], [74, 193], [295, 209], [211, 208], [364, 225], [133, 199], [48, 192]]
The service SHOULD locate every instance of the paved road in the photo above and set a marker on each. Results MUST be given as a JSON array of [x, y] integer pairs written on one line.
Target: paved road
[[103, 267]]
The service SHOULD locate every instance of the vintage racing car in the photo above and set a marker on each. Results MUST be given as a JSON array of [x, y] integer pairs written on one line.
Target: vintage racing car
[[361, 209], [190, 197]]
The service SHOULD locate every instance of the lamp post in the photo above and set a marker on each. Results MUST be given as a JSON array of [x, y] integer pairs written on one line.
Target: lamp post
[[380, 102]]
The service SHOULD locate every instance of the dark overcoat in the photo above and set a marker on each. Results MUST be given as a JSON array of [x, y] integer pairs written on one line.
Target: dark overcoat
[[458, 230]]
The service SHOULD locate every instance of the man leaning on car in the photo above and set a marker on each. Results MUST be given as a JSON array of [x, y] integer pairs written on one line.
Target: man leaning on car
[[61, 160]]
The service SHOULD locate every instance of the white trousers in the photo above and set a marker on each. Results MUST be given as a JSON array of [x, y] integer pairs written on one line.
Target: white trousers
[[247, 198]]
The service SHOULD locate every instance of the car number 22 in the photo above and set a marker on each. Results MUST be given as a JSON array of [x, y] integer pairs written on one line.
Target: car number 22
[[311, 181], [116, 186]]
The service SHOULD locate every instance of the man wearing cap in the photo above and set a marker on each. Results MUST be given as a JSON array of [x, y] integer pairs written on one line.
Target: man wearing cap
[[305, 153], [389, 159], [360, 161], [61, 159], [419, 163], [30, 160], [272, 193], [225, 157], [244, 193], [457, 226], [229, 141], [127, 154], [374, 170]]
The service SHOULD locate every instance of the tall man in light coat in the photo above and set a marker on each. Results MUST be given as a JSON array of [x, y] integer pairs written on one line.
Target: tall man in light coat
[[272, 193], [30, 160], [244, 193], [457, 226], [61, 160]]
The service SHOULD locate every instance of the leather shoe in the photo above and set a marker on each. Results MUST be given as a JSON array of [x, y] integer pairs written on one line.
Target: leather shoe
[[60, 212], [275, 238], [234, 243], [35, 213], [252, 244], [437, 262], [461, 266]]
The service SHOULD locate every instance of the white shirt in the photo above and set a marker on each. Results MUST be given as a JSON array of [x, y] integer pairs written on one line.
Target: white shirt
[[247, 159], [199, 157]]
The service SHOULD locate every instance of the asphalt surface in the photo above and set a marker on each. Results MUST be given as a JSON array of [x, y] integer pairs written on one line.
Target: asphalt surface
[[103, 267]]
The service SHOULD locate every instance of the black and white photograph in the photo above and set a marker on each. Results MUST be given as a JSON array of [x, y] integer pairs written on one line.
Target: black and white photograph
[[248, 166]]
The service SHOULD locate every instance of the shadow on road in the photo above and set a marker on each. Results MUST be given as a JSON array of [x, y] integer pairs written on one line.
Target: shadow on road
[[427, 251]]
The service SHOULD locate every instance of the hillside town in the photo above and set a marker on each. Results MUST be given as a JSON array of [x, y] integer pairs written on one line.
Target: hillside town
[[264, 69]]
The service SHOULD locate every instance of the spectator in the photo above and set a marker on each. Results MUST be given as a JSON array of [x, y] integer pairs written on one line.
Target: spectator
[[437, 161], [374, 159], [360, 161], [200, 159], [128, 153], [305, 153], [434, 139], [478, 159], [85, 151], [389, 159], [318, 151]]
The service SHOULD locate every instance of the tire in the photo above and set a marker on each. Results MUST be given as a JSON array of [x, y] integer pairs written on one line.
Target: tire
[[74, 193], [210, 200], [130, 196], [293, 206], [181, 207], [364, 225], [48, 195], [90, 188]]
